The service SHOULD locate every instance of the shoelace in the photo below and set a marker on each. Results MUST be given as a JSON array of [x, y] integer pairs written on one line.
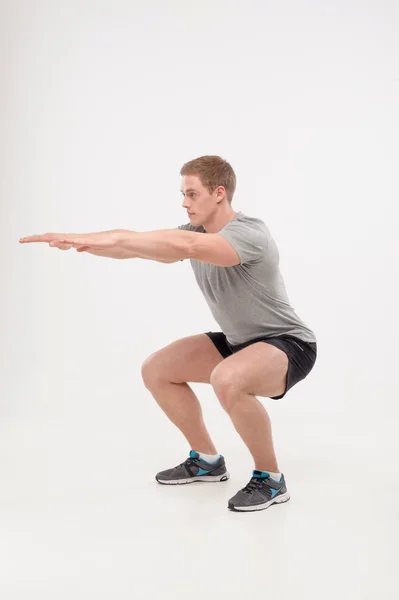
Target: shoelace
[[255, 483], [189, 461]]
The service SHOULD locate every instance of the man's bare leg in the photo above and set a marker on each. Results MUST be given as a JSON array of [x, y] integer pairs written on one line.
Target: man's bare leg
[[252, 422], [165, 374], [181, 405], [257, 369]]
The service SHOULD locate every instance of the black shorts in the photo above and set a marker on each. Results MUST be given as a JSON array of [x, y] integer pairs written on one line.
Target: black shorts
[[301, 355]]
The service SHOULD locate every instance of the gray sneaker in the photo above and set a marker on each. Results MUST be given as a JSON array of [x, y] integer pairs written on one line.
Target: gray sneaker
[[260, 493], [194, 469]]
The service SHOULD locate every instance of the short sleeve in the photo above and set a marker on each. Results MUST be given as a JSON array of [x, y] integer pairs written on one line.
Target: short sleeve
[[248, 240]]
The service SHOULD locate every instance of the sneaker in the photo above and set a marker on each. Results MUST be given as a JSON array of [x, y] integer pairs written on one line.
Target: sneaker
[[194, 469], [260, 493]]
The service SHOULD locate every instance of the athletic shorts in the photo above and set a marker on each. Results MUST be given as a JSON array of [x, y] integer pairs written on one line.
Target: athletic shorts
[[301, 355]]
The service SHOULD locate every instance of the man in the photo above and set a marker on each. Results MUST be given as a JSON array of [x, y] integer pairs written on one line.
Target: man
[[263, 348]]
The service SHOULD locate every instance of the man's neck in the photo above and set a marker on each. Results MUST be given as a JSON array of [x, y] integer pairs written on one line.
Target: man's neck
[[217, 224]]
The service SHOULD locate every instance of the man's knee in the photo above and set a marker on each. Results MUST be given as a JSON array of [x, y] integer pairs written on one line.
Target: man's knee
[[150, 371], [225, 385]]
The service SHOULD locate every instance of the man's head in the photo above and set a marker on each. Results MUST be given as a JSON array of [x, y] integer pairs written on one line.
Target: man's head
[[208, 186]]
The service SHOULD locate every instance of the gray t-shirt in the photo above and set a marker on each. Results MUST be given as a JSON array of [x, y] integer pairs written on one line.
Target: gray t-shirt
[[248, 300]]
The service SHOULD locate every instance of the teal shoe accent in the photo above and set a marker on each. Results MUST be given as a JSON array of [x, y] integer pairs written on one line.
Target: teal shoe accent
[[274, 492], [202, 472]]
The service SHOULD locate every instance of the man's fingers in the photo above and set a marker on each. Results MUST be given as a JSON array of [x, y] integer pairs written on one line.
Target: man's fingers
[[46, 237], [68, 238], [34, 238], [62, 241]]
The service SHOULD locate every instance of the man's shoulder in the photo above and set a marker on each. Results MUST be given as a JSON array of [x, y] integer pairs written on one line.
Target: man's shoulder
[[249, 218], [243, 221]]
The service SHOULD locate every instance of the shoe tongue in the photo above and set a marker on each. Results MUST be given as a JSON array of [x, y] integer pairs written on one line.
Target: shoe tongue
[[260, 474], [194, 454]]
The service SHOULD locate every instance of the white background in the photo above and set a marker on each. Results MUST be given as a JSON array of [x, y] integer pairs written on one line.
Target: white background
[[101, 104]]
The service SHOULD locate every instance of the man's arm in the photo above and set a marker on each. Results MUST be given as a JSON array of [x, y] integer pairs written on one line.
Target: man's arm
[[164, 245]]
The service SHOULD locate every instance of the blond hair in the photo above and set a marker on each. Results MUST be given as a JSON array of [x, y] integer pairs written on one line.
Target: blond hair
[[212, 171]]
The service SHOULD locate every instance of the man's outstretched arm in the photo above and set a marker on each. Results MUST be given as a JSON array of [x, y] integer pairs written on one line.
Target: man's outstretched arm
[[163, 245]]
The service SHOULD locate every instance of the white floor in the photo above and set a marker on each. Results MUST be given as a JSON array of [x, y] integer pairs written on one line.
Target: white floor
[[82, 516]]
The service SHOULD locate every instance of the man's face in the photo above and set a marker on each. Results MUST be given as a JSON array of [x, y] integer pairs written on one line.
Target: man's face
[[197, 200]]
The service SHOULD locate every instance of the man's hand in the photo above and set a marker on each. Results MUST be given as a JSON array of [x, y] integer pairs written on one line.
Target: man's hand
[[102, 241]]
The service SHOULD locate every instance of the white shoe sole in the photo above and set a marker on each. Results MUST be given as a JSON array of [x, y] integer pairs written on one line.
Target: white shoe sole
[[200, 478], [278, 500]]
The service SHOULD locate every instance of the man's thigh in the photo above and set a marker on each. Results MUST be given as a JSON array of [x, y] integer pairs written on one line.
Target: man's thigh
[[260, 369], [189, 359]]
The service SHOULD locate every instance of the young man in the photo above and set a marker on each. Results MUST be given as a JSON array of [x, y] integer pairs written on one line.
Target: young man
[[263, 348]]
